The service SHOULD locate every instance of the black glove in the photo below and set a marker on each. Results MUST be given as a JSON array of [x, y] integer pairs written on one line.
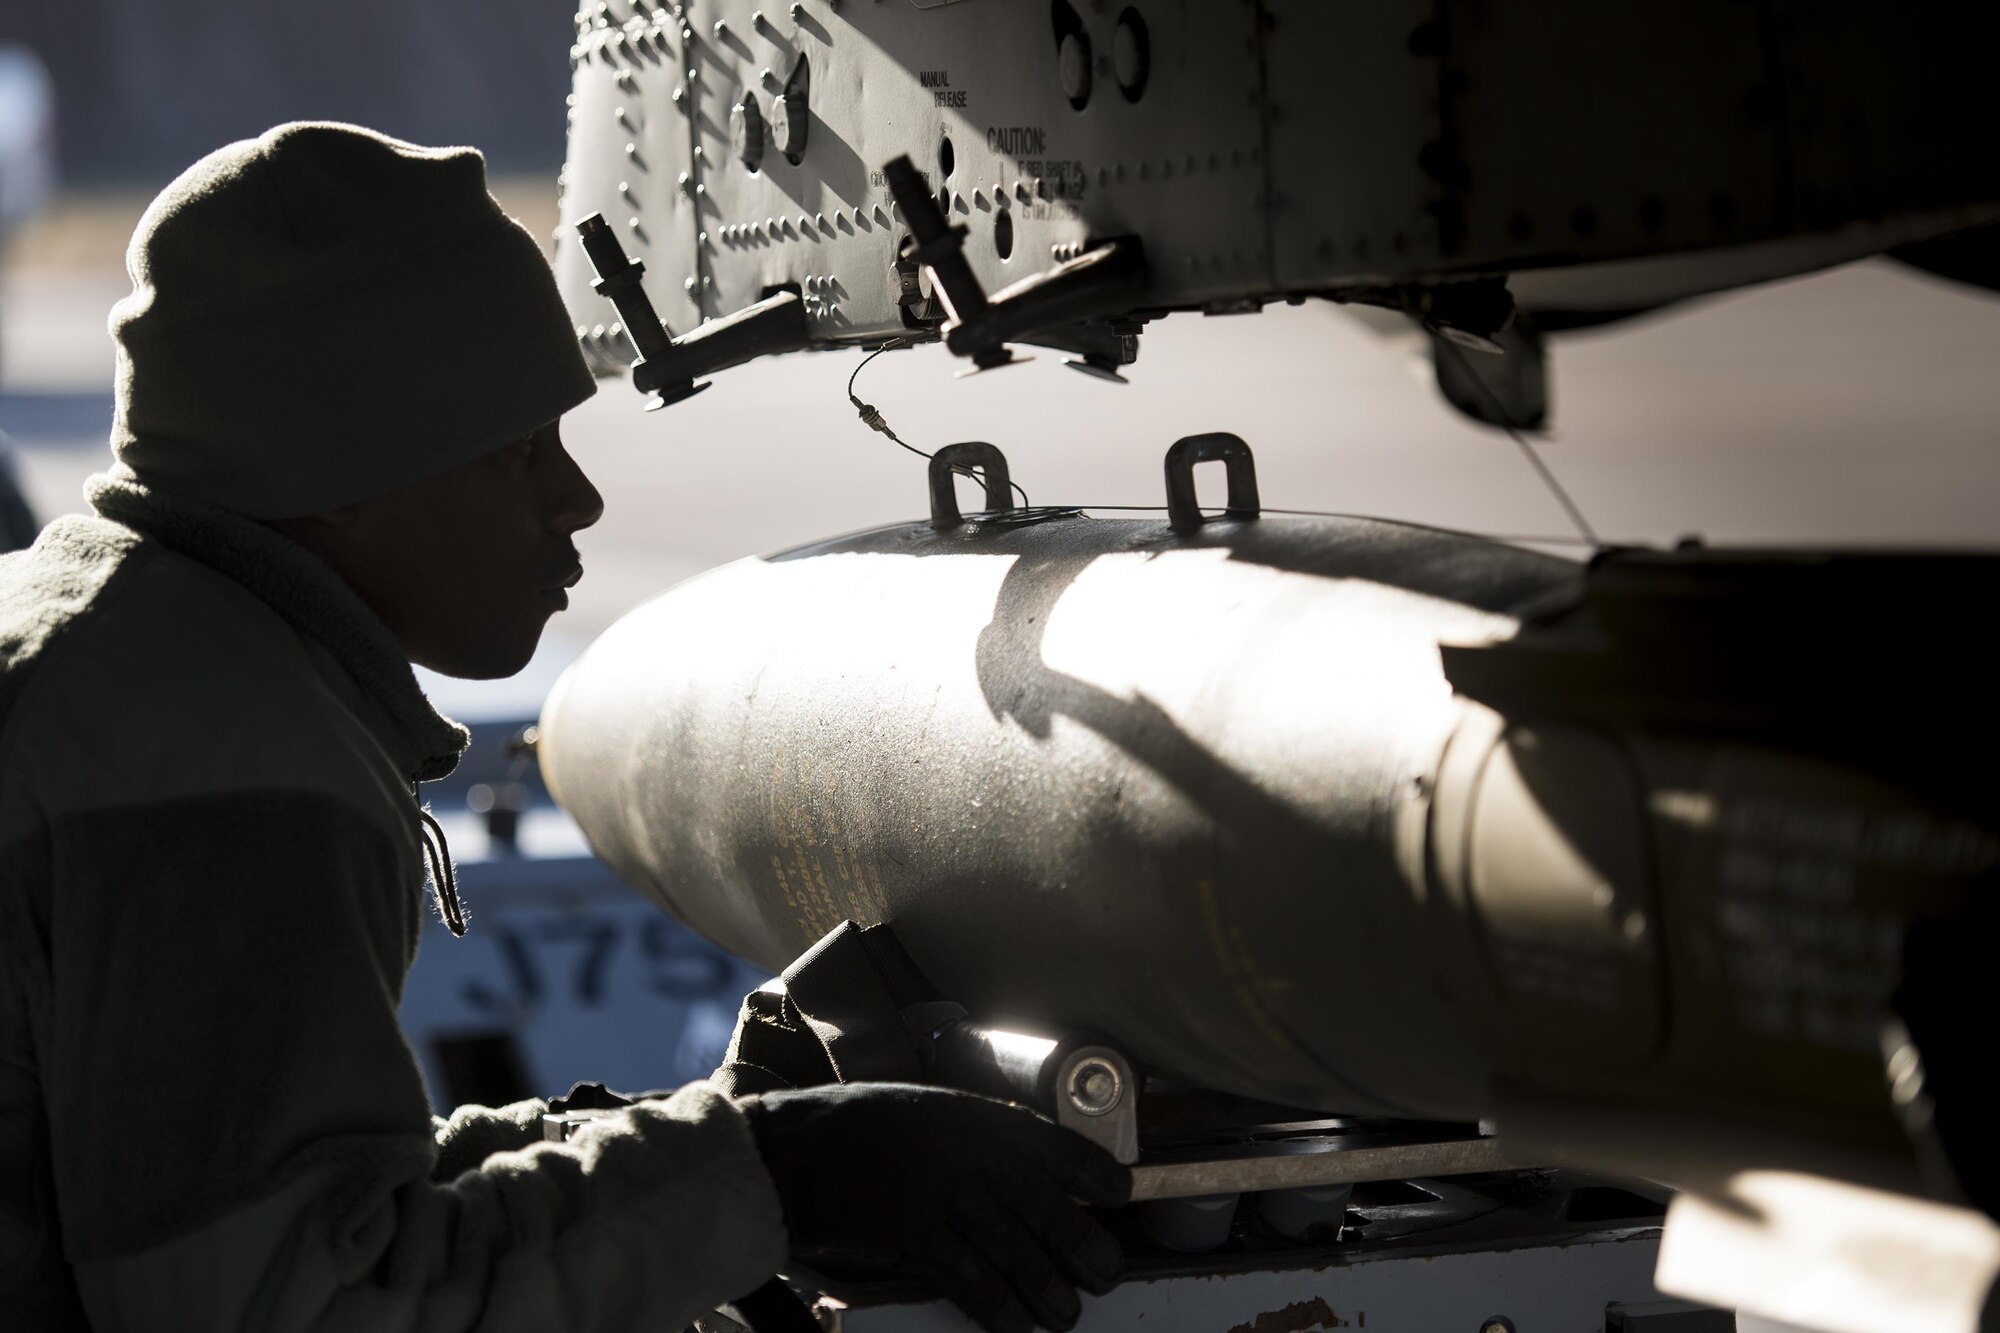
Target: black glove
[[594, 1096], [974, 1194]]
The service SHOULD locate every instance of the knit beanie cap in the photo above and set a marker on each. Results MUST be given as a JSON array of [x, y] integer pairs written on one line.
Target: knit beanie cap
[[324, 314]]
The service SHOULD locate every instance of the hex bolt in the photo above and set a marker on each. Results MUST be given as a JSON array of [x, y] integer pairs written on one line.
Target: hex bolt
[[1095, 1088], [690, 284]]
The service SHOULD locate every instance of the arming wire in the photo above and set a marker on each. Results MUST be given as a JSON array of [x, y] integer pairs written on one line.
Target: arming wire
[[1506, 421], [1524, 539], [872, 417]]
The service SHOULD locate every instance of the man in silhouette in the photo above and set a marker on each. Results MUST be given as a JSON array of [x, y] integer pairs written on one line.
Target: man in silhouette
[[340, 373]]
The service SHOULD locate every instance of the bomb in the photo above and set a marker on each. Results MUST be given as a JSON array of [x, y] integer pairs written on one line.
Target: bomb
[[1338, 813]]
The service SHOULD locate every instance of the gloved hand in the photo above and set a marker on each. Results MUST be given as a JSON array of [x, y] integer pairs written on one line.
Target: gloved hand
[[974, 1194]]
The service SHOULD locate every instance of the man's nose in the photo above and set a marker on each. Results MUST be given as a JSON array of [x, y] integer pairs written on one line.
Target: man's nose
[[575, 503]]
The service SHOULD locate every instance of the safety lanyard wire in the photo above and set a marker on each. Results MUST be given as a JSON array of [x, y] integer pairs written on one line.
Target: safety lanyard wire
[[872, 418]]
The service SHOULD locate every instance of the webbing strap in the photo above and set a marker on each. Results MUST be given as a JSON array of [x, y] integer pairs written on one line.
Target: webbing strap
[[841, 992], [838, 1015]]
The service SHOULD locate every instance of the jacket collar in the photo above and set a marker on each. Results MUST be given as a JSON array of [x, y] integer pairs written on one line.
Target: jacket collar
[[303, 589]]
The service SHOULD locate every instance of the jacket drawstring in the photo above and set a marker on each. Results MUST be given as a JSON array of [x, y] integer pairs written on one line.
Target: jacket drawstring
[[444, 876]]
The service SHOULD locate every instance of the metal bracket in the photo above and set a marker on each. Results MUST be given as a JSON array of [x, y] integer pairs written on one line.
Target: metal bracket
[[940, 247], [1263, 1166], [1097, 1095], [1080, 1084], [1102, 348], [558, 1126], [1106, 280], [618, 281], [963, 457], [773, 325], [1183, 509], [667, 367]]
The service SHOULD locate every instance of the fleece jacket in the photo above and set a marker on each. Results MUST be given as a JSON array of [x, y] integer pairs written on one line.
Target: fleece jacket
[[211, 889]]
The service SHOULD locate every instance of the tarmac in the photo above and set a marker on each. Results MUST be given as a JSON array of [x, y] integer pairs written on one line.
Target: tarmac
[[1849, 406]]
